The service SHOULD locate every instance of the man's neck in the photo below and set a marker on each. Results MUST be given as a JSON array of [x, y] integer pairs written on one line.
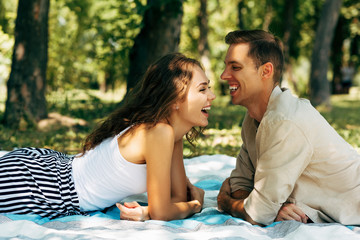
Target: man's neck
[[257, 109]]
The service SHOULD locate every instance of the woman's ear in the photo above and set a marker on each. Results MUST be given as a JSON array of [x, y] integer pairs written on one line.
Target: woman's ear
[[267, 70], [176, 106]]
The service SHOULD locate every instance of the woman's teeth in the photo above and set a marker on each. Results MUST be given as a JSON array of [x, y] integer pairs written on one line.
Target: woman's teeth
[[205, 109]]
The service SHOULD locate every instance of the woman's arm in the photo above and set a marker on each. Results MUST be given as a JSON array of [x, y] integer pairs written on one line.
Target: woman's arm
[[159, 149], [178, 175], [181, 189]]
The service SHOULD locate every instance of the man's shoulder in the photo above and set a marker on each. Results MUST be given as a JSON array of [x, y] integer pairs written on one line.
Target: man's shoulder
[[286, 106]]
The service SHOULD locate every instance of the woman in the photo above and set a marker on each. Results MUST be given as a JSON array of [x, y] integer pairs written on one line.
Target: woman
[[137, 148]]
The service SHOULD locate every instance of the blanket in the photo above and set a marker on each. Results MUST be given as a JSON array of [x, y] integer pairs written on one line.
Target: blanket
[[207, 172]]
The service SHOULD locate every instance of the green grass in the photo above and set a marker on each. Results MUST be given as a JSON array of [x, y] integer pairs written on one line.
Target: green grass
[[222, 136]]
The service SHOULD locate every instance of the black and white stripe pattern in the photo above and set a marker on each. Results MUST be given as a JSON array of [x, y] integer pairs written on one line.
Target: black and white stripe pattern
[[37, 181]]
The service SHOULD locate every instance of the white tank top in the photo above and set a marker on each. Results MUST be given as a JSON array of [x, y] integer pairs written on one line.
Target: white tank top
[[103, 177]]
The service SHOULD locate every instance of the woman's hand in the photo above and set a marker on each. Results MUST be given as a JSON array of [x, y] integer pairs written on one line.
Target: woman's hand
[[289, 211], [133, 211], [195, 193]]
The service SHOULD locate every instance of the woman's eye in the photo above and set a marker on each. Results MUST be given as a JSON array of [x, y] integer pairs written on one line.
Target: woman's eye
[[204, 89]]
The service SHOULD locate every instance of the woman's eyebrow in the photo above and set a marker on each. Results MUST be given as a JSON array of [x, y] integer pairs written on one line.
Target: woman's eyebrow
[[204, 83]]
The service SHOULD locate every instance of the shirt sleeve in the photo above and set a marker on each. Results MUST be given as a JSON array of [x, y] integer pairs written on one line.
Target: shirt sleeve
[[242, 177], [284, 152]]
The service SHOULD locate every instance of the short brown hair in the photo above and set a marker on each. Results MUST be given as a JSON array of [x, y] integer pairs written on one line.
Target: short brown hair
[[263, 47]]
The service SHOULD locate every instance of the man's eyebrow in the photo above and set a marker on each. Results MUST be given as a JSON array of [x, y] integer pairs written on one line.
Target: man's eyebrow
[[232, 62]]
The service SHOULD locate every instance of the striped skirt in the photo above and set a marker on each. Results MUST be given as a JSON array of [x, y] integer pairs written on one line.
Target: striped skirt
[[37, 181]]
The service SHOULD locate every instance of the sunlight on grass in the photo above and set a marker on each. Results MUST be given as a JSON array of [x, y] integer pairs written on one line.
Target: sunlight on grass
[[222, 136]]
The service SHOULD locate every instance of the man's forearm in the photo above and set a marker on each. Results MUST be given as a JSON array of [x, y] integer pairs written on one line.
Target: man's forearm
[[235, 206]]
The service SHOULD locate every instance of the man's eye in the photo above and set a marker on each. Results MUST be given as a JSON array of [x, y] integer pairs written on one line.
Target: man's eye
[[236, 68]]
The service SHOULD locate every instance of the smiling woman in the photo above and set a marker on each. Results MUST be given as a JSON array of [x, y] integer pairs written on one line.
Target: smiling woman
[[138, 148], [193, 110]]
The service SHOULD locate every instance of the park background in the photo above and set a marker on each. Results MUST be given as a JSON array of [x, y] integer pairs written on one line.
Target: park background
[[66, 64]]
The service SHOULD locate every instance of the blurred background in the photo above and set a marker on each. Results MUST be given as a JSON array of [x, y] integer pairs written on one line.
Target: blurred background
[[66, 64]]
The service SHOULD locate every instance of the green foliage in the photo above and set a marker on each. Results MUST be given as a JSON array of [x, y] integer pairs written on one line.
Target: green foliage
[[7, 24], [78, 105], [90, 42], [222, 18], [222, 136]]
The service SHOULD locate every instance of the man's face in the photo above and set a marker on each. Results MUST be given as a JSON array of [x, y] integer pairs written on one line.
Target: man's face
[[242, 75]]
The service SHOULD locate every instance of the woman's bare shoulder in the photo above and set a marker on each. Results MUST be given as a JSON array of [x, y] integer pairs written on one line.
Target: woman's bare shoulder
[[160, 131]]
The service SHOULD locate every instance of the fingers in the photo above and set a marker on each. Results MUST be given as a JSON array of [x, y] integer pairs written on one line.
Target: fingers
[[119, 206], [290, 211], [301, 214], [131, 204], [130, 211]]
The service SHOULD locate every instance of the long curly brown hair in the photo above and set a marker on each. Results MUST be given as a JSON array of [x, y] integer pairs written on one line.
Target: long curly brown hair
[[164, 83]]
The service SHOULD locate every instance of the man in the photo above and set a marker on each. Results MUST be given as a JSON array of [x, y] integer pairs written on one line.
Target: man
[[292, 164]]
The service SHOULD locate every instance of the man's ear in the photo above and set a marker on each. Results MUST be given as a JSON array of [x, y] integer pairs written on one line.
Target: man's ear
[[267, 70]]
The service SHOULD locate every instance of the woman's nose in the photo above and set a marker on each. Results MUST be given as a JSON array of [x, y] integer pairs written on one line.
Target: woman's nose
[[212, 96]]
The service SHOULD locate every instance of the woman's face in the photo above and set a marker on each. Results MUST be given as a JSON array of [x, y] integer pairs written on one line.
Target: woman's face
[[193, 111]]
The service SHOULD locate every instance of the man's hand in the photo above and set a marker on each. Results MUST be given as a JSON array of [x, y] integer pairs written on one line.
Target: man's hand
[[133, 211], [233, 203], [290, 211], [224, 192]]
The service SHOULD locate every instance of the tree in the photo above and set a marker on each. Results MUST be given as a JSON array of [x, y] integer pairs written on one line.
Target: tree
[[159, 35], [337, 54], [26, 85], [3, 19], [240, 7], [319, 85], [287, 38], [203, 45]]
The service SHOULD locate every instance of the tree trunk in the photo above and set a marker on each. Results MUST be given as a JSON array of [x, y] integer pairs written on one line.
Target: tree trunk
[[240, 7], [319, 85], [26, 85], [337, 56], [268, 15], [203, 45], [159, 35], [288, 28]]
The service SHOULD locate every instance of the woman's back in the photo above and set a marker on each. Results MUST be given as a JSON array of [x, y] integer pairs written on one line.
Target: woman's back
[[103, 176]]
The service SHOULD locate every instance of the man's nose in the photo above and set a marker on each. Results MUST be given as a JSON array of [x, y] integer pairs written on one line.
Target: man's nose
[[224, 75]]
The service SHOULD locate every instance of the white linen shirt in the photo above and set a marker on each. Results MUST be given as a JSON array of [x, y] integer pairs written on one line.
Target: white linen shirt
[[294, 155]]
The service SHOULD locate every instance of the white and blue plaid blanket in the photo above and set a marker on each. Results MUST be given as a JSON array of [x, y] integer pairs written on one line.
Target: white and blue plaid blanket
[[207, 172]]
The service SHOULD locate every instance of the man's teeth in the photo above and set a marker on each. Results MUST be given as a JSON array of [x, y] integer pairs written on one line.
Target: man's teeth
[[233, 88], [206, 109]]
